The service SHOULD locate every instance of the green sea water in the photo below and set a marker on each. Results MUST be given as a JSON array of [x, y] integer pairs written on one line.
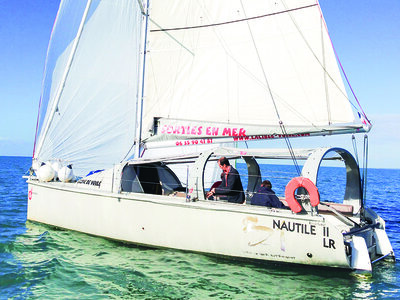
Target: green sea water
[[54, 264]]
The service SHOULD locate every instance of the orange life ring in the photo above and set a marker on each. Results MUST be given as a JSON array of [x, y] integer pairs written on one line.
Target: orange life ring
[[293, 185]]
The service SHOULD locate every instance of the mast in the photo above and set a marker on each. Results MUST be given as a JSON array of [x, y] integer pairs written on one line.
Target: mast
[[54, 108], [139, 104]]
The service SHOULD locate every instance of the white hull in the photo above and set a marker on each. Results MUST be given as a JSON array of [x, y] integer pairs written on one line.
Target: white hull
[[234, 230]]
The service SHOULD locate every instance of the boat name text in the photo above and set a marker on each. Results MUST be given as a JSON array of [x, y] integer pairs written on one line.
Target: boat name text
[[90, 182], [293, 226]]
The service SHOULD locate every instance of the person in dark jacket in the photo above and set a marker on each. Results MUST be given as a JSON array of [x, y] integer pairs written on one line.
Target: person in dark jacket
[[265, 196], [231, 185]]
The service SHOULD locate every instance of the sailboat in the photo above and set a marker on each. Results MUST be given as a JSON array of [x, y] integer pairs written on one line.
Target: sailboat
[[139, 99]]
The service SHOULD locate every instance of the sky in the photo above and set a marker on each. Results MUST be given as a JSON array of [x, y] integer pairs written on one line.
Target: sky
[[365, 34]]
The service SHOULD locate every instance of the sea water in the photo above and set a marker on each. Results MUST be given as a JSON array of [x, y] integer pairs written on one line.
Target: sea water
[[41, 262]]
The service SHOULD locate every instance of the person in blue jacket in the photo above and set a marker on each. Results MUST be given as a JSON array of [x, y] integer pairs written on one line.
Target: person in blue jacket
[[231, 185], [265, 196]]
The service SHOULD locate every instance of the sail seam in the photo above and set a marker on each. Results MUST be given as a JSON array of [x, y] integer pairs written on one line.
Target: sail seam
[[233, 21]]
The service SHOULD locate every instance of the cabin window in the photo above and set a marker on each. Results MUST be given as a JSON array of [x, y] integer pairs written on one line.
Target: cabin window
[[149, 179], [169, 181], [130, 181], [154, 179]]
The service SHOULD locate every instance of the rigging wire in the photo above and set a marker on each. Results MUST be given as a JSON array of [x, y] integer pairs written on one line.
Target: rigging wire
[[139, 104], [282, 126], [290, 148], [353, 139], [37, 127], [139, 140], [365, 168]]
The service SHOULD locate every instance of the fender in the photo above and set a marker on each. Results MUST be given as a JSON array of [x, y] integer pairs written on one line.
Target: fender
[[293, 185]]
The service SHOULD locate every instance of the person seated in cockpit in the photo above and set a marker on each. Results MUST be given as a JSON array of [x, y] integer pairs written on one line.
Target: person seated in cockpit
[[231, 185], [265, 196]]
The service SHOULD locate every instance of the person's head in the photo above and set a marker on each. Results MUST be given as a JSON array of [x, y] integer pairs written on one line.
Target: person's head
[[223, 163], [267, 184]]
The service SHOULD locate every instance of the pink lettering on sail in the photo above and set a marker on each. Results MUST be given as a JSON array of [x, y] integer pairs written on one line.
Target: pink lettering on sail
[[198, 130], [212, 130], [227, 131], [234, 131]]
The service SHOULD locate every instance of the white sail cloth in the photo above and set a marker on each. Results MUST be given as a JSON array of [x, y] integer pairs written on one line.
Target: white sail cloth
[[211, 70], [241, 66], [88, 113]]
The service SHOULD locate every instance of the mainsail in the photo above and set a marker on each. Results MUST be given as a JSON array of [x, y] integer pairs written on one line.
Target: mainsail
[[231, 68], [124, 73]]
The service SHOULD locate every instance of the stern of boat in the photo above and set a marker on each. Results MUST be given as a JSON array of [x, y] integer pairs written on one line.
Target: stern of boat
[[369, 243]]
